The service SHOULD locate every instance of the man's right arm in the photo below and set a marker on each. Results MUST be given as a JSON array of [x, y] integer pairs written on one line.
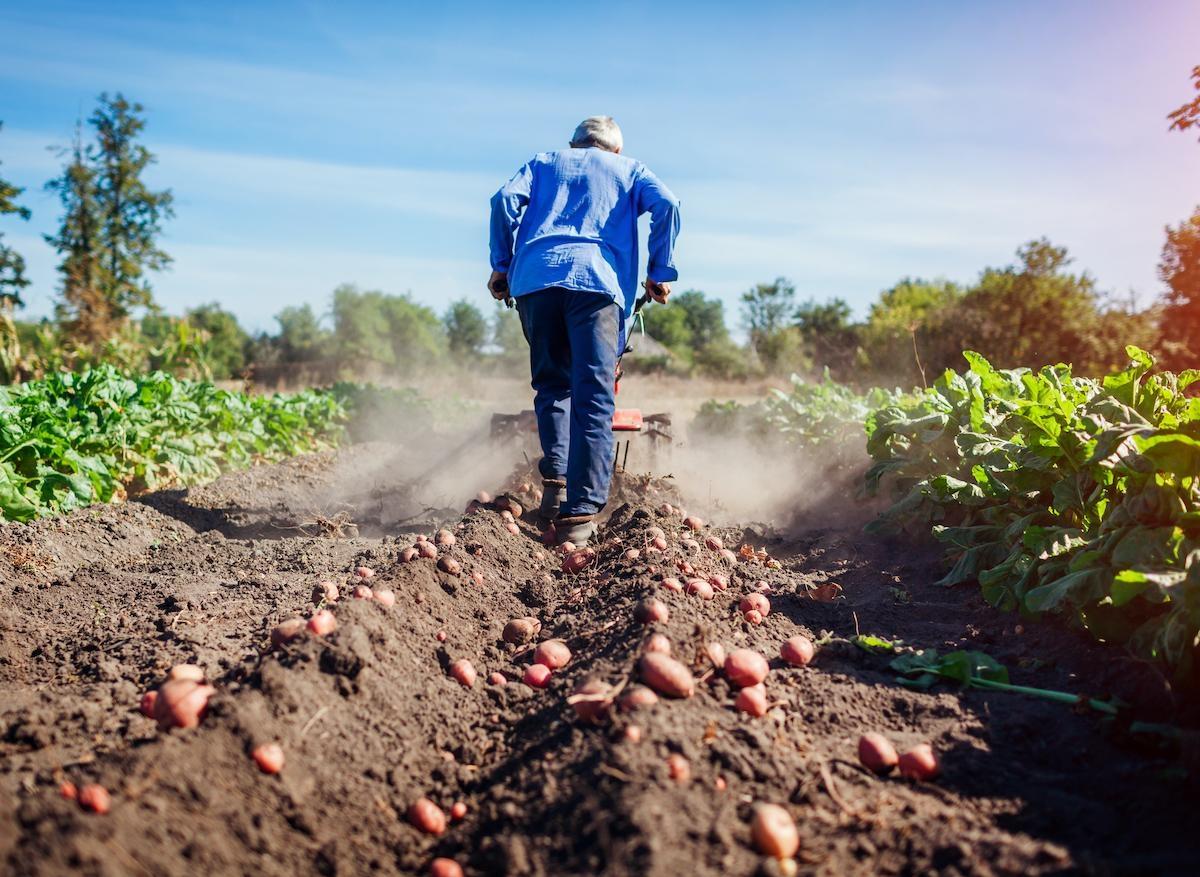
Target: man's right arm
[[507, 206], [656, 199]]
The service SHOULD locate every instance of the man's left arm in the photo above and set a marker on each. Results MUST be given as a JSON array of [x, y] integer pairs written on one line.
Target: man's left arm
[[656, 199]]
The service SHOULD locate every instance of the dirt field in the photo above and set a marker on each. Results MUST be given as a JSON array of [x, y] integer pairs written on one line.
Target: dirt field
[[95, 607]]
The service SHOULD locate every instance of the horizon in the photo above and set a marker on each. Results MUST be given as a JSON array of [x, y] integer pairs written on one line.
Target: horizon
[[842, 149]]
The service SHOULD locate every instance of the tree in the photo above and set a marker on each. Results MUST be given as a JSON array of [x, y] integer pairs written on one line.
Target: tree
[[131, 215], [507, 334], [900, 325], [12, 266], [83, 310], [767, 312], [225, 341], [828, 334], [1188, 115], [466, 329], [1179, 269], [391, 330], [301, 338]]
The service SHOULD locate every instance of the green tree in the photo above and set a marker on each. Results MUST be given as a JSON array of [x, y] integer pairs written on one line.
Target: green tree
[[301, 337], [830, 338], [901, 324], [507, 335], [12, 265], [224, 340], [1179, 269], [669, 326], [391, 330], [131, 215], [767, 312], [466, 329], [1188, 115], [83, 310]]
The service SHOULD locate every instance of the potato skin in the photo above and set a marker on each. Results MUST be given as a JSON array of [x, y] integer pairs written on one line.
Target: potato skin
[[745, 667], [666, 675], [919, 763], [876, 753], [752, 700], [427, 816], [774, 831], [552, 653], [521, 630], [797, 650]]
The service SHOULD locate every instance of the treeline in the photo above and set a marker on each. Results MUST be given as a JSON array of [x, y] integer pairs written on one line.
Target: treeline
[[1033, 312]]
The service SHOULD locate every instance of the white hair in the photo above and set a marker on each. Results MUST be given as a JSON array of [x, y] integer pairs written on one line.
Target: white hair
[[599, 131]]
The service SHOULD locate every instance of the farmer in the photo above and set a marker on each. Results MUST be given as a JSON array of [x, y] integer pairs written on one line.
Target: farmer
[[564, 245]]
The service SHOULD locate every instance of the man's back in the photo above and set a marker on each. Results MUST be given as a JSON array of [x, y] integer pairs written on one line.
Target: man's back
[[575, 216]]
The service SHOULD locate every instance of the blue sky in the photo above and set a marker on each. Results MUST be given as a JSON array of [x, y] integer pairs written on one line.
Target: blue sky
[[841, 145]]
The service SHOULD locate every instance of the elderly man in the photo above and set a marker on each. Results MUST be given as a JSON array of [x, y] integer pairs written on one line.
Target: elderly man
[[564, 244]]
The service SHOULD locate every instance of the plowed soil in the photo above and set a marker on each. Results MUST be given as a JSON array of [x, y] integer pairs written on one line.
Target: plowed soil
[[95, 608]]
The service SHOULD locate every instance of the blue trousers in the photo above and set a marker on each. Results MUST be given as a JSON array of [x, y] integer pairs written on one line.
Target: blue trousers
[[574, 338]]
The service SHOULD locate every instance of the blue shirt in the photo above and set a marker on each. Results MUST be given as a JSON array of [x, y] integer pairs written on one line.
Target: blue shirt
[[569, 219]]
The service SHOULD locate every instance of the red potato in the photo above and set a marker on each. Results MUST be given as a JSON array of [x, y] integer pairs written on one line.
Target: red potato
[[286, 631], [146, 707], [95, 797], [632, 554], [693, 523], [658, 643], [187, 673], [513, 529], [651, 611], [408, 555], [507, 517], [633, 733], [715, 652], [797, 650], [591, 699], [637, 697], [686, 568], [752, 617], [421, 537], [552, 653], [182, 703], [719, 582], [719, 784], [386, 598], [440, 636], [566, 548], [444, 537], [325, 592], [521, 630], [877, 753], [700, 588], [666, 675], [774, 831], [659, 542], [689, 544], [268, 757], [745, 667], [427, 816], [507, 503], [537, 675], [757, 602], [578, 560], [477, 577], [483, 497], [655, 533], [463, 672], [458, 811], [678, 768], [666, 509], [443, 867], [362, 592], [919, 763], [67, 789], [672, 584], [427, 550], [752, 700], [497, 678], [322, 623], [728, 556], [364, 572], [714, 543], [449, 565], [762, 587]]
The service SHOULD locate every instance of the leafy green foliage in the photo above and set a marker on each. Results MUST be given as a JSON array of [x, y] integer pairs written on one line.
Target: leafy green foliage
[[78, 438], [1059, 494], [466, 329]]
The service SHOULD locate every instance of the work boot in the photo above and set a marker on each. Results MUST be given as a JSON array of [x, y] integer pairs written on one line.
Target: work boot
[[576, 529], [554, 494]]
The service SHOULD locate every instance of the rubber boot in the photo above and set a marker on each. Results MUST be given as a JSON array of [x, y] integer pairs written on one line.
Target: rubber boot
[[554, 494], [576, 529]]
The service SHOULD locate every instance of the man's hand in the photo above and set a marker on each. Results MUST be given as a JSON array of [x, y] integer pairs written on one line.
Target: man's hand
[[660, 292], [498, 285]]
